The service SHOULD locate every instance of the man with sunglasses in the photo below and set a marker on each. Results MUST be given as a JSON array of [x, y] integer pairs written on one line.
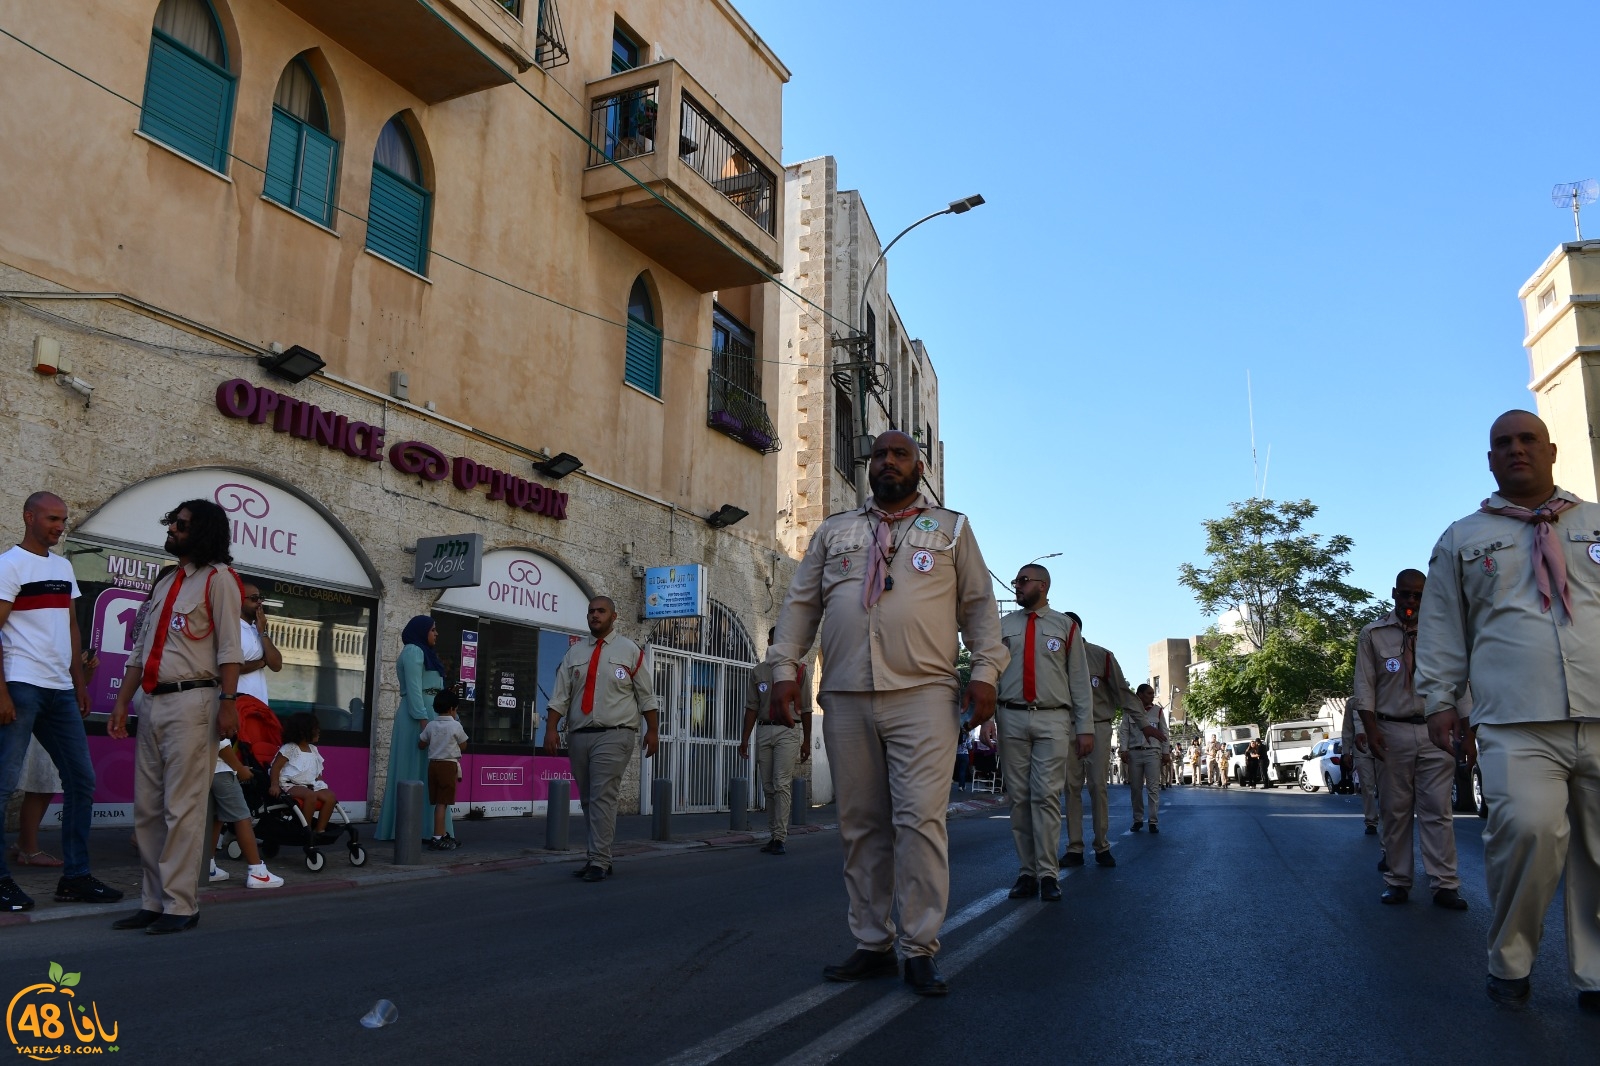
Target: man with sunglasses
[[186, 658], [1046, 724]]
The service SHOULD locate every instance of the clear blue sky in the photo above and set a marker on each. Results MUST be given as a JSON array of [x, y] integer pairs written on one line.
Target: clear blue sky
[[1340, 199]]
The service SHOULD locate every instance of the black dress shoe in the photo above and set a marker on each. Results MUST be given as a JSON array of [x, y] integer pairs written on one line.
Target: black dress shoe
[[924, 977], [1449, 899], [1512, 991], [1137, 826], [1383, 864], [864, 965], [593, 873], [1050, 889], [1372, 830], [1105, 858], [172, 923], [775, 848], [1072, 858], [1589, 1002], [1154, 829], [1395, 894], [1027, 887], [136, 920]]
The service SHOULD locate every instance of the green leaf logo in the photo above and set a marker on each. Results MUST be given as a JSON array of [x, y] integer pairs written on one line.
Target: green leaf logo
[[55, 973], [70, 979]]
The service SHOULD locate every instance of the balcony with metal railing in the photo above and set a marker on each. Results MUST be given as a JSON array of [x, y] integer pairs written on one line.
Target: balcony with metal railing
[[740, 413], [705, 202]]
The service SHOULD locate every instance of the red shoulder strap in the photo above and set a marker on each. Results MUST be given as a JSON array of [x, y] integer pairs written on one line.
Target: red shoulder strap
[[1105, 675], [637, 663]]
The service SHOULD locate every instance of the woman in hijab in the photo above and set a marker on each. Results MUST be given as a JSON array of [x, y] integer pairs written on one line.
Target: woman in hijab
[[421, 675]]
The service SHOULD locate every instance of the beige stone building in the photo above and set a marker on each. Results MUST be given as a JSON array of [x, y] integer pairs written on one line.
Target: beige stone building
[[830, 245], [519, 235], [1561, 303], [1169, 662]]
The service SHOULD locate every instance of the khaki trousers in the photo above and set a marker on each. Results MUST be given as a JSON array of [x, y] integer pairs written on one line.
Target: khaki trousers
[[1096, 770], [1542, 784], [777, 748], [890, 754], [173, 763], [599, 760], [1035, 749], [1144, 777], [1416, 791], [1366, 768]]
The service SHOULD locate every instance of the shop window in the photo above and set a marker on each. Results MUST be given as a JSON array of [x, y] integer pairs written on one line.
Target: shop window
[[398, 215], [188, 88], [506, 687], [302, 159], [642, 362]]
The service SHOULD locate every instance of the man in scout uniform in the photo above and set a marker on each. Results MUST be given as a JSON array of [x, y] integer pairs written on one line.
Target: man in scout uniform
[[605, 685], [1357, 755], [890, 584], [1513, 602], [186, 657], [1108, 691], [1142, 755], [1046, 724], [777, 746], [1416, 775]]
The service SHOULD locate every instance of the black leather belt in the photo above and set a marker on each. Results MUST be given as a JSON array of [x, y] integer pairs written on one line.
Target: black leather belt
[[1416, 719], [1013, 705], [604, 728], [167, 688], [767, 721]]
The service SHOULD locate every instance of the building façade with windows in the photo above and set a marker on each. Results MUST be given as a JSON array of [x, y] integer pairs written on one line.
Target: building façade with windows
[[509, 230], [830, 248]]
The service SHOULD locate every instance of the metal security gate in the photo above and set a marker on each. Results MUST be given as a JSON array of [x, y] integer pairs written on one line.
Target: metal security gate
[[702, 670]]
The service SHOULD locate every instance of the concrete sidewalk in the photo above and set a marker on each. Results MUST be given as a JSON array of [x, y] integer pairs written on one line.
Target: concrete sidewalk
[[489, 844]]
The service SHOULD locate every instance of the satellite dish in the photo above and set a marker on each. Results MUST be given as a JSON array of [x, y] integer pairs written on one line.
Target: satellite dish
[[1575, 194]]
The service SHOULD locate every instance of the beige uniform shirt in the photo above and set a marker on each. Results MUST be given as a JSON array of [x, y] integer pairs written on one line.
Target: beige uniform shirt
[[624, 684], [908, 638], [1381, 685], [1481, 618], [196, 646], [758, 695], [1131, 733], [1110, 688], [1060, 664]]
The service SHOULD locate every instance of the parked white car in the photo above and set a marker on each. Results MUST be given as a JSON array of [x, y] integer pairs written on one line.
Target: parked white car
[[1323, 766]]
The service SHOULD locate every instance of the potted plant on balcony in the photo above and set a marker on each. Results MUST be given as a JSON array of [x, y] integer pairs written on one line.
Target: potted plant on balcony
[[645, 119], [727, 422]]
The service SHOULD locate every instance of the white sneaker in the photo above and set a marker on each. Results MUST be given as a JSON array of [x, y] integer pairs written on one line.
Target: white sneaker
[[218, 873], [264, 879]]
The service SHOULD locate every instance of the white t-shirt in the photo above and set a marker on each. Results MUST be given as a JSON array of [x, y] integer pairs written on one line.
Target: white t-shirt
[[255, 682], [38, 633], [304, 767], [222, 766], [445, 737]]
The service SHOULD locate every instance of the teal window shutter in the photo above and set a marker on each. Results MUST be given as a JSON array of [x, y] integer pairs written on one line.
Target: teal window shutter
[[319, 173], [188, 102], [397, 220], [642, 367], [283, 158]]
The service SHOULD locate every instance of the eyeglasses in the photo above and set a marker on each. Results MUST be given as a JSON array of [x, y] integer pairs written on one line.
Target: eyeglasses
[[180, 524], [252, 599], [1019, 582]]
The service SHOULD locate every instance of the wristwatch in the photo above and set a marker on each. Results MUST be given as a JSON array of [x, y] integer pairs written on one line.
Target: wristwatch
[[228, 696]]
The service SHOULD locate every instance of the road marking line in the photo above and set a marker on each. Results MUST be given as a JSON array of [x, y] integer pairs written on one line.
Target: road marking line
[[730, 1040], [1314, 816], [846, 1036]]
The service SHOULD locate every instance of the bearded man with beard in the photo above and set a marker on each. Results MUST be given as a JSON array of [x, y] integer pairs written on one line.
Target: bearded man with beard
[[890, 584]]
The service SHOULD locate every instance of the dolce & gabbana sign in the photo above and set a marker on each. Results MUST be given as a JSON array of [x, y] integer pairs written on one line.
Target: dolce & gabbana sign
[[242, 399]]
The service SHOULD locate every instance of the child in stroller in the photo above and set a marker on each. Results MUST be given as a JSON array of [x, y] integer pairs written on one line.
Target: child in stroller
[[279, 819], [297, 769]]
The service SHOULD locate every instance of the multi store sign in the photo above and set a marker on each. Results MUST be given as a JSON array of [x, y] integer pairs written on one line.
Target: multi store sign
[[238, 398]]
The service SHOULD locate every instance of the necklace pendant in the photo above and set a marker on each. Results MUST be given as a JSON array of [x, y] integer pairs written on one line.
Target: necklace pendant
[[888, 583]]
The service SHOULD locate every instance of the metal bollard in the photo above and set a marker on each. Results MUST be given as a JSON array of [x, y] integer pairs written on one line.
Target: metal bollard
[[408, 797], [799, 801], [558, 816], [660, 809], [738, 804]]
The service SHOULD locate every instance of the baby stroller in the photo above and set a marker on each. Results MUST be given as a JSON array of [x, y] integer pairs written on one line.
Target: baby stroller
[[279, 821]]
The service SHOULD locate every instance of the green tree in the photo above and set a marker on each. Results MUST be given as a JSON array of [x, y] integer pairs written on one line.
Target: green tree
[[1291, 642]]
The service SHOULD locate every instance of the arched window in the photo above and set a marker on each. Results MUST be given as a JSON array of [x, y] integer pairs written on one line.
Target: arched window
[[642, 367], [397, 219], [188, 90], [302, 160]]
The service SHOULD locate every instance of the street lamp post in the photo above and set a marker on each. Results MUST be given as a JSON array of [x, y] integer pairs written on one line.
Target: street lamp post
[[862, 341]]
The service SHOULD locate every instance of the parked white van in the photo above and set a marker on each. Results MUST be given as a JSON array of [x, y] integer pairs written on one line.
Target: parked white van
[[1290, 743]]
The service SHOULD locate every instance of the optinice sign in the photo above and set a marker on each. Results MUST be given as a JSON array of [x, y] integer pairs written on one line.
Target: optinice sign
[[449, 562]]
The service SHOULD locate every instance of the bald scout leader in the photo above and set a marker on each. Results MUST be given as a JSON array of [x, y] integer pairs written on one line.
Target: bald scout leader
[[1109, 692], [1513, 602], [890, 584]]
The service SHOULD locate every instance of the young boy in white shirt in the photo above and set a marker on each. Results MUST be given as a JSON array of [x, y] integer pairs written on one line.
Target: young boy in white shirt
[[231, 807], [443, 738]]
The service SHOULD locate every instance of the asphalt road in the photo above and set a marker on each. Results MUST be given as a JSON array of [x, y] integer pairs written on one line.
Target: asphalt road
[[1248, 932]]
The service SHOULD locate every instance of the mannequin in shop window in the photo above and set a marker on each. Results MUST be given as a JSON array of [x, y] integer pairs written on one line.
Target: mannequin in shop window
[[421, 677]]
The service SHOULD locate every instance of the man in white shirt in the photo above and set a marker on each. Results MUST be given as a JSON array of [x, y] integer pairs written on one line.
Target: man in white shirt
[[45, 695], [260, 654]]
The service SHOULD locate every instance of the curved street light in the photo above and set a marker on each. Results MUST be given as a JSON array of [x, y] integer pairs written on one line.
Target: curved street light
[[956, 207]]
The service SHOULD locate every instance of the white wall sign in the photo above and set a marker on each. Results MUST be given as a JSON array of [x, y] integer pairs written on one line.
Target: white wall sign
[[520, 586], [273, 529]]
